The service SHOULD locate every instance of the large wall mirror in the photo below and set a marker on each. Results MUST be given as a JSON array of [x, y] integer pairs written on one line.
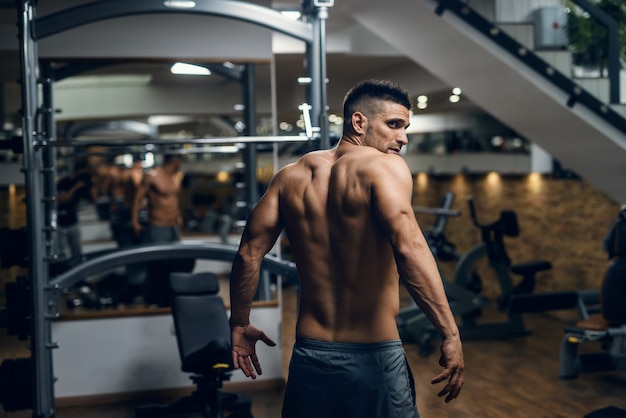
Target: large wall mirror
[[122, 120]]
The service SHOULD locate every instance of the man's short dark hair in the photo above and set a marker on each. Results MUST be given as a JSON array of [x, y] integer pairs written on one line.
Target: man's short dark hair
[[372, 90]]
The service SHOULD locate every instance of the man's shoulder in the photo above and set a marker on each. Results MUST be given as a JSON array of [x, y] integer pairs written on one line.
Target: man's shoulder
[[310, 160], [369, 159]]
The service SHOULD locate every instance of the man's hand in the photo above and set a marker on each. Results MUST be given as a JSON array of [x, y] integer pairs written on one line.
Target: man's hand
[[243, 341], [452, 362], [137, 228]]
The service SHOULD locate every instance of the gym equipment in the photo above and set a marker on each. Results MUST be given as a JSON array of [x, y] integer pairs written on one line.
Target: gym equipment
[[494, 248], [15, 384], [17, 374], [607, 412], [610, 336], [464, 292], [607, 325], [412, 323], [38, 127], [13, 247], [603, 317], [17, 309], [203, 338]]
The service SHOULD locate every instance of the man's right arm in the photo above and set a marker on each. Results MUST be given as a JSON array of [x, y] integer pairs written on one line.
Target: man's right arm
[[261, 232]]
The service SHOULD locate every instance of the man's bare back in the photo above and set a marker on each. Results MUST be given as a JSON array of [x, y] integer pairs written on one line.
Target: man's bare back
[[162, 194], [160, 187], [348, 277]]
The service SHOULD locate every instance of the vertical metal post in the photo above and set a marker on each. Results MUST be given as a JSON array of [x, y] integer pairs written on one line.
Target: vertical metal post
[[42, 379], [316, 69], [2, 110], [49, 161], [322, 15], [250, 157], [312, 67]]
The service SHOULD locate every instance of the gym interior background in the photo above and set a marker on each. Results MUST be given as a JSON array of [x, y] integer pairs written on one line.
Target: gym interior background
[[484, 125]]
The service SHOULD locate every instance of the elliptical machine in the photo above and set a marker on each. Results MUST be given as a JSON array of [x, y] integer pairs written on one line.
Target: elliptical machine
[[494, 249], [465, 290], [413, 325]]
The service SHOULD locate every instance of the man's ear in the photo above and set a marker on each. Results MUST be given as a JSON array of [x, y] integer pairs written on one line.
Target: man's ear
[[359, 122]]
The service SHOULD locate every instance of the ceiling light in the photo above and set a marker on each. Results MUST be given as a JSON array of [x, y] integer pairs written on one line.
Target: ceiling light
[[422, 105], [179, 4], [291, 14], [304, 80], [454, 98], [189, 69], [457, 91], [422, 99]]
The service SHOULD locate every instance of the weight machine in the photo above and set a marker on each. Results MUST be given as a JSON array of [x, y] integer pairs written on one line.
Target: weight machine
[[464, 291], [39, 138]]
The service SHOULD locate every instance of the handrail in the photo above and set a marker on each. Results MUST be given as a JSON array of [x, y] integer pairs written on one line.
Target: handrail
[[576, 94]]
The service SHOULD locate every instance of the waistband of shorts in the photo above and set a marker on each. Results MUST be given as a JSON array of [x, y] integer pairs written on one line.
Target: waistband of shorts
[[347, 347]]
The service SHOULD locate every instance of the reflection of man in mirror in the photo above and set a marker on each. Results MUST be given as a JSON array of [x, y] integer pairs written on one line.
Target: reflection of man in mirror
[[124, 184], [160, 188], [70, 190]]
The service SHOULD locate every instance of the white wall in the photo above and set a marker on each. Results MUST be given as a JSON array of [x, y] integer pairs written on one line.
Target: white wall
[[520, 10], [136, 353], [119, 98]]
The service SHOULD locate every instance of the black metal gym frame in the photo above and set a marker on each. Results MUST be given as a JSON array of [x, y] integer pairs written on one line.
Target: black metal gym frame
[[39, 134]]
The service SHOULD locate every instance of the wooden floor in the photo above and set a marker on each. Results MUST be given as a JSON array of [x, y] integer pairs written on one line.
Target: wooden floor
[[511, 378]]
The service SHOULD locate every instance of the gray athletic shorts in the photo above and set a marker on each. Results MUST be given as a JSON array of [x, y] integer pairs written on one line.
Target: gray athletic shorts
[[343, 380]]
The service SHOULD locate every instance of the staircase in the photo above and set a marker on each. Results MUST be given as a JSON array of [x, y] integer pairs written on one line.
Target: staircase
[[568, 118]]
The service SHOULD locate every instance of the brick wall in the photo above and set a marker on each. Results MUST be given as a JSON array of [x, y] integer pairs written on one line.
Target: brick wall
[[562, 221]]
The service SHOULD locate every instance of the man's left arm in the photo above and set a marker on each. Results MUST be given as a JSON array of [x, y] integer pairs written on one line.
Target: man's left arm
[[417, 267]]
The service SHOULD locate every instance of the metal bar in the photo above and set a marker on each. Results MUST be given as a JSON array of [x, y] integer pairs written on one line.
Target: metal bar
[[436, 211], [145, 253], [109, 9], [250, 155], [234, 72], [179, 141], [226, 149], [322, 15], [312, 63], [42, 378], [49, 160], [75, 68]]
